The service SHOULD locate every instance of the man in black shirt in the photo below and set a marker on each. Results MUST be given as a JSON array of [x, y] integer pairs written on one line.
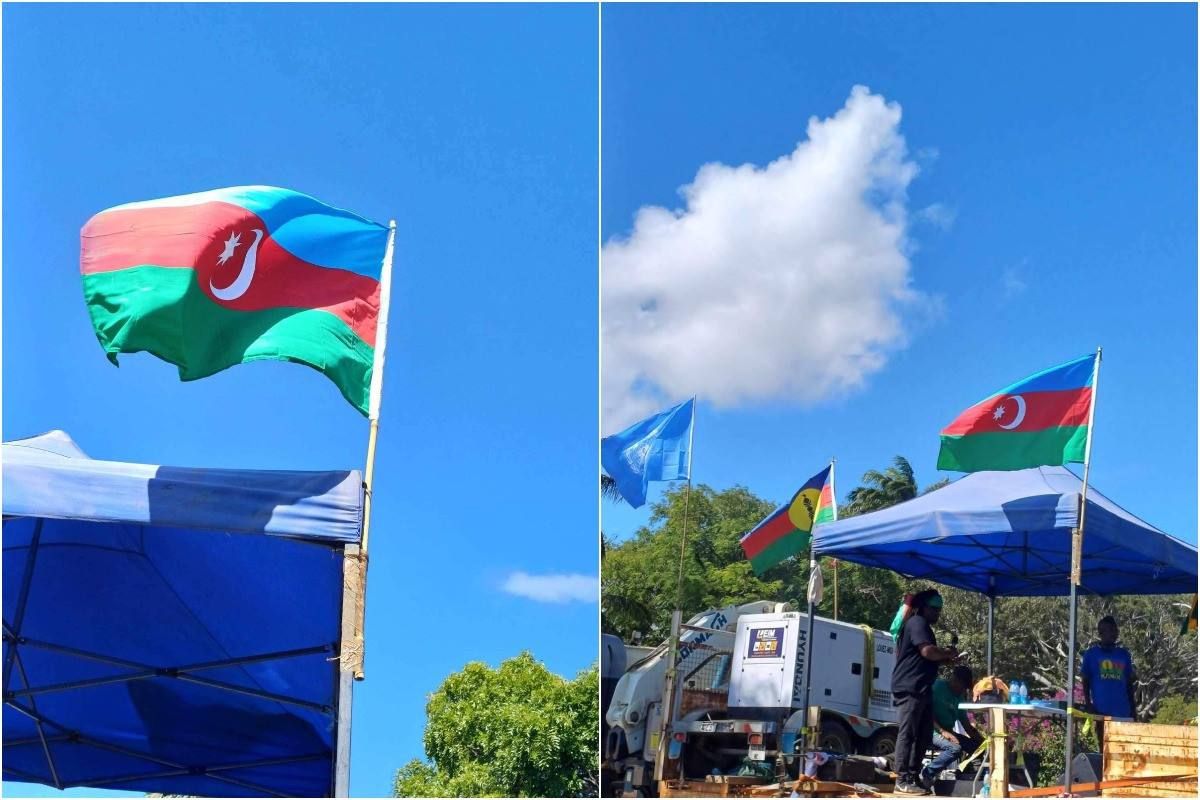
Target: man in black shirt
[[917, 660]]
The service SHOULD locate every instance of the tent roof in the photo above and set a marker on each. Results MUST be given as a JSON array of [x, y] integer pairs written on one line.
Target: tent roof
[[49, 476], [155, 639], [1009, 533]]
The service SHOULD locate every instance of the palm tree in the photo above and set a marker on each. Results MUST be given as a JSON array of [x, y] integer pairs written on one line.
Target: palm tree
[[882, 489], [608, 489]]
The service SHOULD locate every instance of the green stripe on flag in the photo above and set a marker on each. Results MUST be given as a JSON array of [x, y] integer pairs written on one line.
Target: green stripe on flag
[[779, 550], [163, 311], [1009, 451]]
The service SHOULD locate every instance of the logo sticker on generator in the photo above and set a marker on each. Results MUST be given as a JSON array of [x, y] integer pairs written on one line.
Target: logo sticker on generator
[[765, 643]]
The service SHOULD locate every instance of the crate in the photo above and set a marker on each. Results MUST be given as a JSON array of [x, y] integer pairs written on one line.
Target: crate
[[1138, 750]]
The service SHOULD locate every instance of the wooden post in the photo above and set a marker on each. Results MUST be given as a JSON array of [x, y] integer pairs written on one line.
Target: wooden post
[[998, 780], [351, 593]]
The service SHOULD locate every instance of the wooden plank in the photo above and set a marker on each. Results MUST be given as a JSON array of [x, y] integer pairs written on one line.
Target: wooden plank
[[1149, 742], [1130, 769], [1147, 747], [1149, 790], [1053, 791], [742, 780], [1150, 729]]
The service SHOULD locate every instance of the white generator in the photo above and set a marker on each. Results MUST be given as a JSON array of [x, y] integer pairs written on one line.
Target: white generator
[[852, 672]]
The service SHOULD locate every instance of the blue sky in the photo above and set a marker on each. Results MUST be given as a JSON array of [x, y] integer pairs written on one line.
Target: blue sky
[[476, 129], [1053, 210]]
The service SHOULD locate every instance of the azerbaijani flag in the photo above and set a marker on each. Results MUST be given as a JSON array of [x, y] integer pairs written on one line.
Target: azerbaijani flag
[[789, 528], [1042, 420], [209, 280]]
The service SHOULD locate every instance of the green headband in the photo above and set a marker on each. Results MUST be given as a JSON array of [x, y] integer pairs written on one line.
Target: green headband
[[935, 601]]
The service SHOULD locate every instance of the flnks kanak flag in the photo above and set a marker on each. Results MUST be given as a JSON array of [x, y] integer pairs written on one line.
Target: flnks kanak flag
[[1042, 420], [209, 280], [659, 448], [789, 528]]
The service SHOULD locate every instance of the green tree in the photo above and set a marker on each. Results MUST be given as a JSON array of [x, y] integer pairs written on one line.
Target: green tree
[[882, 489], [640, 579], [1176, 710], [515, 731], [608, 489]]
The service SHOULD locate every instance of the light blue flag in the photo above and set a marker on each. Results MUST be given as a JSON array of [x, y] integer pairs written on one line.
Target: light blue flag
[[656, 449]]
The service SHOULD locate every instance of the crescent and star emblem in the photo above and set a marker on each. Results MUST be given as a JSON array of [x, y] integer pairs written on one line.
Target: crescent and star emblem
[[999, 413], [242, 282]]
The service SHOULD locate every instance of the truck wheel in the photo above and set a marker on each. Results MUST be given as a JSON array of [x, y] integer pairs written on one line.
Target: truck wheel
[[883, 744], [836, 737]]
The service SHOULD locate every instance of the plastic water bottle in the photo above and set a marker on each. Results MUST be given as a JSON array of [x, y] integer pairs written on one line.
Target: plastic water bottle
[[1024, 694], [1015, 694]]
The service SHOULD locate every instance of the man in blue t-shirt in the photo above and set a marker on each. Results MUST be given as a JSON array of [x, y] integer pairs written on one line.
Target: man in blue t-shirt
[[1108, 675]]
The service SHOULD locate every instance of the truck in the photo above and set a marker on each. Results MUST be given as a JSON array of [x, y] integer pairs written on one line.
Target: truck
[[740, 691]]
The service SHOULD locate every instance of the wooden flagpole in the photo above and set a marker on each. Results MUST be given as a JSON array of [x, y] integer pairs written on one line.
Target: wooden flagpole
[[1076, 577], [354, 559]]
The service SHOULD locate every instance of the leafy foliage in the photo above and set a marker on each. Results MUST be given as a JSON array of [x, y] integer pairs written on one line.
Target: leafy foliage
[[608, 489], [882, 489], [1176, 709], [515, 731], [640, 576]]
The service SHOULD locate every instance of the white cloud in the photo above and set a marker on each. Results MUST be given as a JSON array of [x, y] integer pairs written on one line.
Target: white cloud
[[1012, 281], [553, 588], [787, 282], [938, 215]]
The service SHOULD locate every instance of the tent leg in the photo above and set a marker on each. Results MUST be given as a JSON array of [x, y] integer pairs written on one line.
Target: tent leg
[[347, 663], [1070, 743], [991, 633]]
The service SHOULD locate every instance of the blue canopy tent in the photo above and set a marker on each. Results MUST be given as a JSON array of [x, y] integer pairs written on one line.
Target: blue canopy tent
[[1009, 534], [174, 630]]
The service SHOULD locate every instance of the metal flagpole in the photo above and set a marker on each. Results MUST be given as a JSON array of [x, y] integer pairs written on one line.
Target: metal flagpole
[[1076, 570], [668, 701], [354, 560], [686, 500], [813, 566]]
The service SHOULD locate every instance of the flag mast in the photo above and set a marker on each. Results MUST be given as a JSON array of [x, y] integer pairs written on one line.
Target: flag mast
[[1076, 576], [668, 703], [362, 558], [813, 566], [354, 559]]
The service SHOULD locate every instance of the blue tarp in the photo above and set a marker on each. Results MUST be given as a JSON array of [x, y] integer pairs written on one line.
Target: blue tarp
[[1009, 534], [175, 630]]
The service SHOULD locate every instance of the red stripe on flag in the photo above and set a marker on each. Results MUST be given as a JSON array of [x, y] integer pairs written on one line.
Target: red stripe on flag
[[194, 237], [1034, 411], [768, 533]]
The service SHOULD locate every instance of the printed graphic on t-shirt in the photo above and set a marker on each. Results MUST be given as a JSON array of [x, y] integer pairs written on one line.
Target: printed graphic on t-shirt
[[1112, 670]]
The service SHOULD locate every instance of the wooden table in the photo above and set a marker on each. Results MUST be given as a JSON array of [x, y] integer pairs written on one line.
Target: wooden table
[[998, 714]]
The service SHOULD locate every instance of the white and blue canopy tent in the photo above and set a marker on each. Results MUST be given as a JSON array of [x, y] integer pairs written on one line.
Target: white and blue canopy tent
[[174, 630], [1008, 534]]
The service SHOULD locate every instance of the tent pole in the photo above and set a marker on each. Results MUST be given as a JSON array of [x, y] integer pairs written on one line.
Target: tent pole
[[991, 633], [345, 674], [1076, 570]]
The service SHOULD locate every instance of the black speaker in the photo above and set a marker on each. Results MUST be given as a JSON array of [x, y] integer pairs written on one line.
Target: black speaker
[[1087, 770]]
